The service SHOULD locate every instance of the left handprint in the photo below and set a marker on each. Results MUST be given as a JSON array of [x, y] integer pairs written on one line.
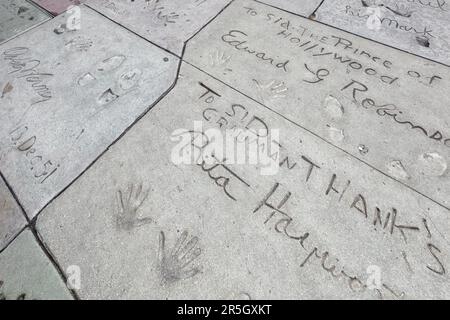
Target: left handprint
[[128, 204]]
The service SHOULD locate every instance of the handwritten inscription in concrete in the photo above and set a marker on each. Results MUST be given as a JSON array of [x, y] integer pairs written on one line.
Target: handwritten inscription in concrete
[[11, 217], [66, 95], [27, 274], [419, 27], [17, 16], [168, 23], [382, 106], [321, 225]]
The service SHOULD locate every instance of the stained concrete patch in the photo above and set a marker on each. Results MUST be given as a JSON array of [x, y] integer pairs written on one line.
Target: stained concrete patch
[[145, 223], [376, 103], [67, 95], [17, 16], [305, 8], [11, 216], [419, 27], [27, 274], [56, 7], [168, 23]]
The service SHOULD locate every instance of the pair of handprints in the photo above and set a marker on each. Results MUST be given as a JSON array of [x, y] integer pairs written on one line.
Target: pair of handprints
[[173, 264]]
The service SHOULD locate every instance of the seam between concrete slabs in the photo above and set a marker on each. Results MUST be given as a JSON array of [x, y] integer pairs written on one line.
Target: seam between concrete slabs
[[32, 223], [292, 121]]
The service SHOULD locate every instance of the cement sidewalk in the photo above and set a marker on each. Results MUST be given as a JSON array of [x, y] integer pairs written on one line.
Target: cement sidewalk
[[219, 149]]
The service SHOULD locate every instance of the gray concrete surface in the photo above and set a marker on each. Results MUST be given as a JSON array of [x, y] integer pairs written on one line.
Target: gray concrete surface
[[330, 210], [382, 106], [419, 27], [168, 23], [67, 96], [27, 274], [301, 7], [17, 16], [12, 219], [285, 159]]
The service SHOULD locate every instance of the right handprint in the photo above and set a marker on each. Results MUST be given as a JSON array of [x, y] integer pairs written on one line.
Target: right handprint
[[178, 263]]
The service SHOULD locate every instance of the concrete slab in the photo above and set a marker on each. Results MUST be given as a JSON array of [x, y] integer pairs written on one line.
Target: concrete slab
[[12, 219], [67, 95], [168, 23], [301, 7], [419, 27], [57, 7], [320, 224], [27, 274], [17, 16], [384, 107]]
